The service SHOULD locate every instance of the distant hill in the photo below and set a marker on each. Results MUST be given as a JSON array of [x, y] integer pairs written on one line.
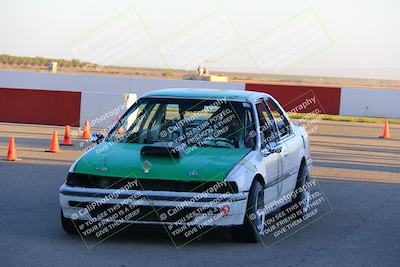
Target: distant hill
[[8, 62]]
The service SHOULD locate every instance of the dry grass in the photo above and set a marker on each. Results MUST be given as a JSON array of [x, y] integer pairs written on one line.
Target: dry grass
[[327, 117]]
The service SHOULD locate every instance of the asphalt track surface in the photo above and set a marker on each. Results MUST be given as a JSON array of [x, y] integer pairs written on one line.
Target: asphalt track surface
[[358, 172]]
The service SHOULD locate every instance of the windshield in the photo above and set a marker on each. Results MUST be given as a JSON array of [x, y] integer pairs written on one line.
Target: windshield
[[217, 123]]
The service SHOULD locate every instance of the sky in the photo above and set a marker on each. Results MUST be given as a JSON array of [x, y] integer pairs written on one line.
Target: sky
[[325, 38]]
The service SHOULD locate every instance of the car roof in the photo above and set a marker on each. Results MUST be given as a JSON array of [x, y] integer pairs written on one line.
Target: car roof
[[191, 93]]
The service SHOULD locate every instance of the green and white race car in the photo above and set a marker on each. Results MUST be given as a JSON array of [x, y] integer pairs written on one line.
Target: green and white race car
[[192, 158]]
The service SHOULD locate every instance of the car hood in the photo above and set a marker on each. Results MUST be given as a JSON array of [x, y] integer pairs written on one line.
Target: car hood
[[124, 160]]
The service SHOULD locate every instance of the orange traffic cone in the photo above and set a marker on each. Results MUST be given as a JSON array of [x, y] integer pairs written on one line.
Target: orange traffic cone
[[54, 146], [120, 130], [86, 131], [12, 152], [67, 137], [386, 133]]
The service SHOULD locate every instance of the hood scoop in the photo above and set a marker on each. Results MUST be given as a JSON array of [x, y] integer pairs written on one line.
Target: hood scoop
[[163, 149]]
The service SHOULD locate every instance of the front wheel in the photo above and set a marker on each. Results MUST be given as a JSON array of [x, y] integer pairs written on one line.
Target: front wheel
[[254, 220], [67, 224]]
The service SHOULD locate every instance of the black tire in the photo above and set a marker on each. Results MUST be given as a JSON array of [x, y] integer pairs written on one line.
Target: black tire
[[249, 231], [67, 224], [302, 199]]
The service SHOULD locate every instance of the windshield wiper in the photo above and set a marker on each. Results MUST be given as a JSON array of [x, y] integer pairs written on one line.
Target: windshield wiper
[[214, 145]]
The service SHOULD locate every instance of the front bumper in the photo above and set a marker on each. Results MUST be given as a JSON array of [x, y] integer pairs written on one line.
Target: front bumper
[[153, 207]]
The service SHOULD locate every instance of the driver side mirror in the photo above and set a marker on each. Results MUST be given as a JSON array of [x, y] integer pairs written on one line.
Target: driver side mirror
[[269, 148], [96, 138]]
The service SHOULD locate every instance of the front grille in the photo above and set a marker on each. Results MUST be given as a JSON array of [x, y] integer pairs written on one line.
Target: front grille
[[142, 213], [97, 181]]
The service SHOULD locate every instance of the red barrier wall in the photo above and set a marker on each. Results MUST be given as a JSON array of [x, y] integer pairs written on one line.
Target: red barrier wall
[[40, 106], [327, 99]]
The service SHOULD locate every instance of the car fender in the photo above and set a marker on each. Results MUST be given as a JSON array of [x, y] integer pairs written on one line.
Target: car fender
[[304, 152], [246, 170]]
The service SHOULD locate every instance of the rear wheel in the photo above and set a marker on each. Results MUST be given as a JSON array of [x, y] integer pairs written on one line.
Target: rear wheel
[[67, 224], [303, 197], [254, 219]]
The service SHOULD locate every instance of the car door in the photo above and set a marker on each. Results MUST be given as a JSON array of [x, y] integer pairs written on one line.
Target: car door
[[290, 147], [272, 162]]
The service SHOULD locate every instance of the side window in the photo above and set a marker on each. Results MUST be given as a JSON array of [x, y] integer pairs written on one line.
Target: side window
[[267, 123], [250, 137], [282, 122], [168, 129], [138, 120], [149, 130]]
